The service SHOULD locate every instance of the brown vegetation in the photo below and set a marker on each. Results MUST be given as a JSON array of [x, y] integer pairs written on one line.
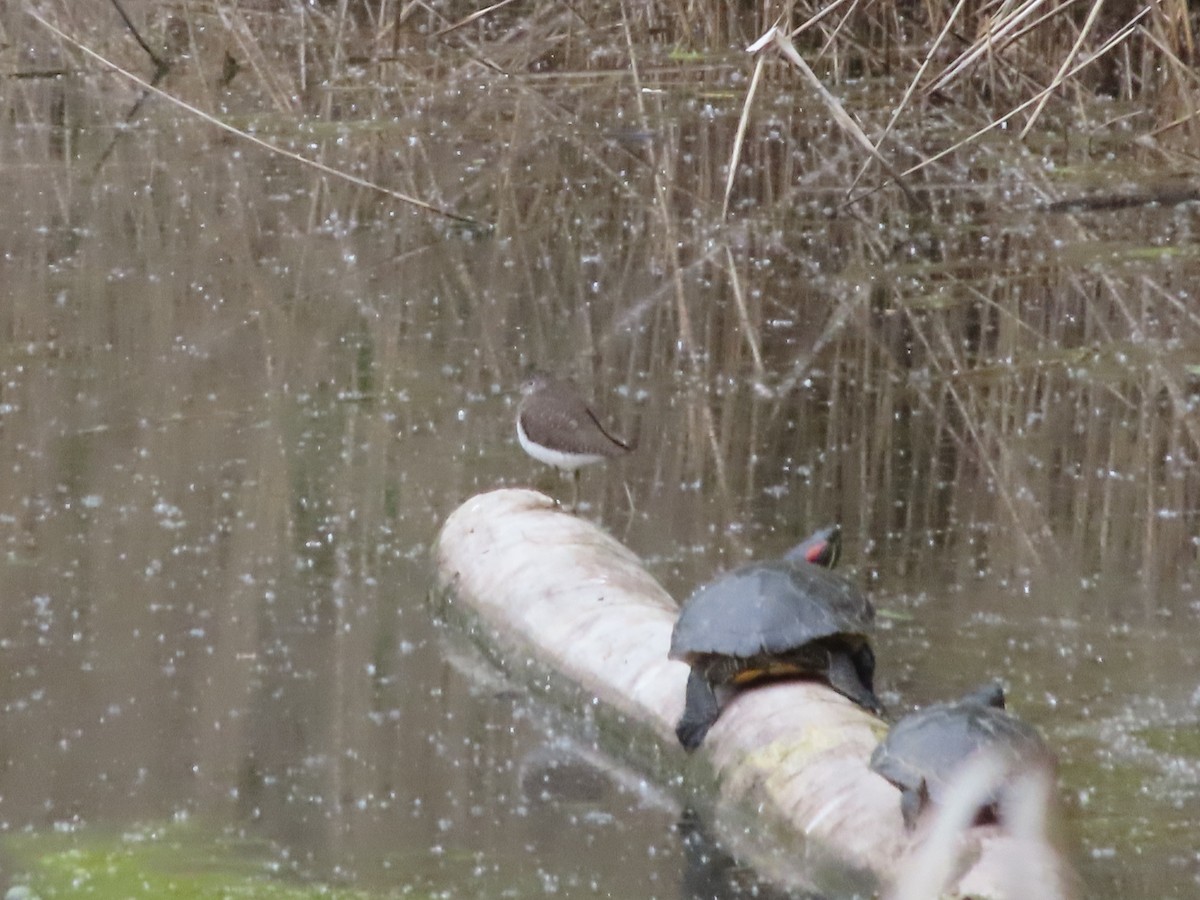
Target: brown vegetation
[[965, 320], [996, 373]]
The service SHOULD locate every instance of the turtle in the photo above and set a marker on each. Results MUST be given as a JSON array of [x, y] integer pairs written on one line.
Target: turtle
[[925, 750], [789, 617]]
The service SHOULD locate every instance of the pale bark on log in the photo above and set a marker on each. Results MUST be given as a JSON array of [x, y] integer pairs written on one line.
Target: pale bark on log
[[556, 587]]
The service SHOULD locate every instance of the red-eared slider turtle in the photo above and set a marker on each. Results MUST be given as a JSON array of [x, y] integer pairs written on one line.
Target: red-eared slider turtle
[[788, 617], [924, 751]]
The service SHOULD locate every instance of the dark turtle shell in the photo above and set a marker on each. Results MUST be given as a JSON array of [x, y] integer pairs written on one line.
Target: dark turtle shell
[[769, 608], [924, 751], [787, 617]]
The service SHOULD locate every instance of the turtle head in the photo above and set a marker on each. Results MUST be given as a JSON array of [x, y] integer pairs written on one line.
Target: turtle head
[[822, 548], [990, 694]]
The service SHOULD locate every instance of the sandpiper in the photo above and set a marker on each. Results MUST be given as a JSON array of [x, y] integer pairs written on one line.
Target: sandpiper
[[556, 426]]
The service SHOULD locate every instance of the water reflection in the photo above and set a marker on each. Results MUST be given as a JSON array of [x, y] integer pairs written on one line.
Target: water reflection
[[710, 873], [237, 400]]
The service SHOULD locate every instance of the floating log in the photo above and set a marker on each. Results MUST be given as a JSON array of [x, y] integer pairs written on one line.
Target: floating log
[[558, 603]]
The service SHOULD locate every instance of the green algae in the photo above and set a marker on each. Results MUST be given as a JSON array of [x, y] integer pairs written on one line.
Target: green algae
[[173, 862]]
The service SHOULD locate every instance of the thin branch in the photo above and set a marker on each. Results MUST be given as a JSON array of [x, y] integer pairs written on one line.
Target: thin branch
[[478, 14], [748, 329], [843, 118], [912, 88], [160, 64], [740, 135], [1112, 42], [1066, 63], [985, 43], [259, 142]]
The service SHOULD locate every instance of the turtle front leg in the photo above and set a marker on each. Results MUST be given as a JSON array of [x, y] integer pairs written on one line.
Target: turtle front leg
[[846, 677], [575, 490], [912, 801], [700, 710]]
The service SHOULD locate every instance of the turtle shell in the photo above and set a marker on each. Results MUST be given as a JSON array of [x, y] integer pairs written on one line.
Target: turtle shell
[[924, 751], [769, 609]]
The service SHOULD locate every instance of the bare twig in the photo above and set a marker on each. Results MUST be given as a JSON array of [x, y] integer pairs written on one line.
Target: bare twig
[[1000, 30], [1108, 45], [740, 135], [816, 17], [748, 329], [257, 141], [912, 87], [669, 222], [1066, 63], [478, 14], [843, 118], [160, 64]]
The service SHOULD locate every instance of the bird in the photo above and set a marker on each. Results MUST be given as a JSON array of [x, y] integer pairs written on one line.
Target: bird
[[556, 426]]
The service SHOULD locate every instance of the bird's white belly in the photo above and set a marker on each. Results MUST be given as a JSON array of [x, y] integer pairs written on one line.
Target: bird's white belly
[[568, 461]]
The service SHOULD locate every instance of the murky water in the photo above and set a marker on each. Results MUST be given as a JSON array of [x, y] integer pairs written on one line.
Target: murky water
[[238, 397]]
